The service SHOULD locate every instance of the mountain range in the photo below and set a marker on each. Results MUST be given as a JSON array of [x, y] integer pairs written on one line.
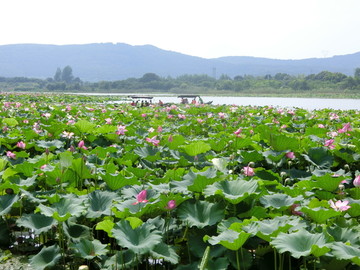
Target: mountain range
[[108, 61]]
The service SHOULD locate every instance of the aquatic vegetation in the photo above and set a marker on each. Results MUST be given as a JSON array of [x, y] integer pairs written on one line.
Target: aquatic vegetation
[[116, 186]]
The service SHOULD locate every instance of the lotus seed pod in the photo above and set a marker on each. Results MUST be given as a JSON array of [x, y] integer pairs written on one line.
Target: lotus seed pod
[[83, 267], [346, 167]]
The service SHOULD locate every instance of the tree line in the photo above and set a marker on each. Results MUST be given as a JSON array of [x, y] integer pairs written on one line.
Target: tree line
[[64, 80]]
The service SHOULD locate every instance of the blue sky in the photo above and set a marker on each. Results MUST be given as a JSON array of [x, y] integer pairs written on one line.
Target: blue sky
[[280, 29]]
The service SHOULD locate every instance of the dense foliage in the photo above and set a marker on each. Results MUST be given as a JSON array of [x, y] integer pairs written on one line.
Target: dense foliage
[[114, 186], [64, 81]]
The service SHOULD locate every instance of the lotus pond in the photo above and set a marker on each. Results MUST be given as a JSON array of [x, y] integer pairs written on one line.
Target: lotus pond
[[113, 186]]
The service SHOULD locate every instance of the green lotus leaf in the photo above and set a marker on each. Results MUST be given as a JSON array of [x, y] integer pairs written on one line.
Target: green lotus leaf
[[82, 171], [55, 144], [354, 210], [6, 202], [66, 159], [165, 252], [251, 156], [100, 203], [320, 215], [346, 252], [25, 168], [46, 258], [279, 201], [319, 157], [201, 213], [11, 122], [106, 225], [76, 231], [176, 141], [121, 259], [117, 181], [230, 239], [148, 152], [85, 126], [327, 182], [9, 172], [283, 142], [300, 243], [64, 209], [37, 222], [233, 191], [268, 228], [89, 249], [196, 148], [341, 234], [220, 164], [140, 240]]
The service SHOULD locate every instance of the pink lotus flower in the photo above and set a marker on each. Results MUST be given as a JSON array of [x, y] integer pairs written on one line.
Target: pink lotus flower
[[294, 211], [248, 171], [329, 144], [170, 139], [81, 144], [141, 197], [21, 145], [321, 126], [199, 120], [43, 167], [171, 205], [237, 132], [143, 115], [11, 155], [181, 116], [356, 181], [340, 205], [121, 130], [222, 115], [153, 140], [108, 121], [290, 155], [159, 129], [345, 128]]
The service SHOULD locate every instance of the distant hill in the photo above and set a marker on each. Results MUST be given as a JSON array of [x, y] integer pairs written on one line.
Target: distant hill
[[107, 61]]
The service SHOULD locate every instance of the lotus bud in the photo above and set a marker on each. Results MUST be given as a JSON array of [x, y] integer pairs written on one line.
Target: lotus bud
[[287, 181], [47, 151]]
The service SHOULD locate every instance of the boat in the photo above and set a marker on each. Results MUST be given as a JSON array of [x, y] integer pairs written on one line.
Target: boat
[[195, 99], [142, 101]]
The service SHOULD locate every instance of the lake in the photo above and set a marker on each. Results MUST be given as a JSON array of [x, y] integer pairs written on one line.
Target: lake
[[305, 103]]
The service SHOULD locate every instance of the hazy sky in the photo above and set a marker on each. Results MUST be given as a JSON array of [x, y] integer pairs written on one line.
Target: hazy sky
[[282, 29]]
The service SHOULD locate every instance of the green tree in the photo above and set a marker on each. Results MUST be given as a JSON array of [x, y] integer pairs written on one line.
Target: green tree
[[357, 73], [67, 75], [58, 74]]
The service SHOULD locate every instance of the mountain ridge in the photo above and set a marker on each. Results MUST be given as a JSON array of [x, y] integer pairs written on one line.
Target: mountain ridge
[[108, 61]]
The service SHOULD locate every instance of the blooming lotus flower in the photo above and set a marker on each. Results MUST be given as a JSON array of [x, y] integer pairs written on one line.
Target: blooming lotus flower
[[68, 135], [321, 126], [329, 144], [159, 129], [108, 121], [181, 116], [141, 197], [356, 181], [153, 140], [171, 205], [21, 145], [150, 130], [11, 155], [81, 144], [248, 171], [199, 120], [221, 115], [345, 128], [43, 167], [340, 205], [294, 211], [237, 132], [121, 130], [143, 115], [290, 155]]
